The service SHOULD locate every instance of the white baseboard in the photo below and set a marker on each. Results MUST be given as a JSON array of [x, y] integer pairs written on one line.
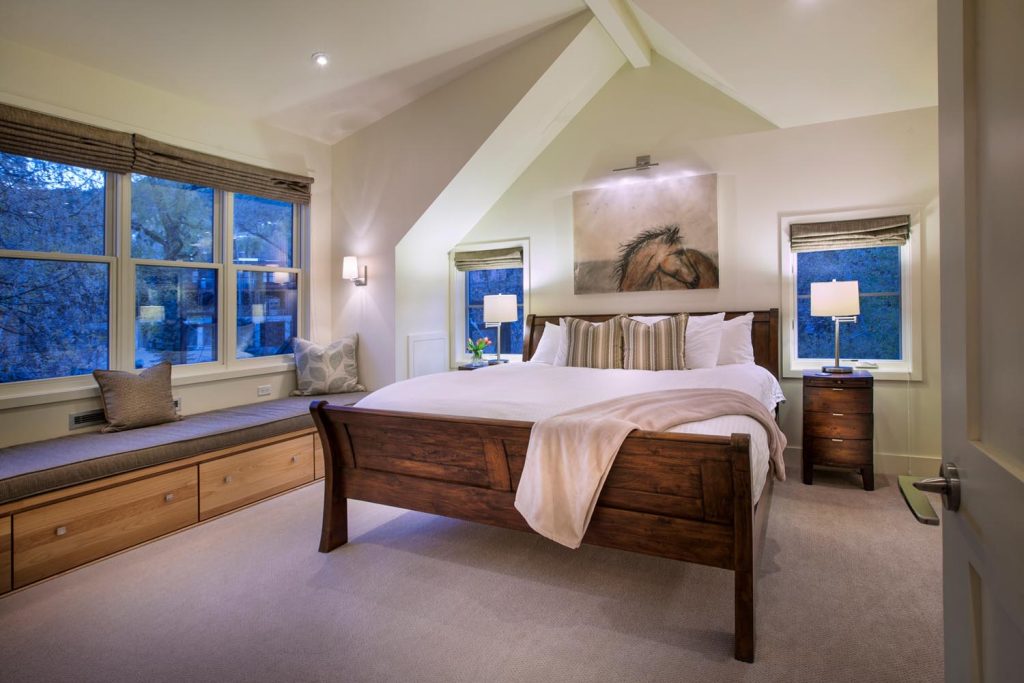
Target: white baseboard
[[885, 463]]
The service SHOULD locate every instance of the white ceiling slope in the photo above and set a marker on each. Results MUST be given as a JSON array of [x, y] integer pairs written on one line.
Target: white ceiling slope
[[794, 62], [254, 56], [797, 62]]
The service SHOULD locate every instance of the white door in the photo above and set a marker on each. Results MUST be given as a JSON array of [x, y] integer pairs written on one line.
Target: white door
[[981, 169]]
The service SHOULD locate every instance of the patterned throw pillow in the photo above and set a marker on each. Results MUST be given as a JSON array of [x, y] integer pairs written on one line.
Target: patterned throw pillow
[[659, 346], [327, 369], [594, 345], [141, 400]]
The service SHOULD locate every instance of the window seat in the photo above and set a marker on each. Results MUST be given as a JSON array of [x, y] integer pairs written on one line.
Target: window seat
[[43, 466], [69, 501]]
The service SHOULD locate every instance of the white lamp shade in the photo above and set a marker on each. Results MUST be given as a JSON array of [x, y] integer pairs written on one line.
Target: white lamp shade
[[835, 298], [151, 314], [500, 308], [349, 268]]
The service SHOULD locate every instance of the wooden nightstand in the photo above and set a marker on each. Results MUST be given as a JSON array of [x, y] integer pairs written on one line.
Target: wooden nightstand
[[839, 424]]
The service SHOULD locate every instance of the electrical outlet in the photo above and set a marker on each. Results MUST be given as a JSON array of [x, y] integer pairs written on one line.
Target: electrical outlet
[[177, 404], [263, 390]]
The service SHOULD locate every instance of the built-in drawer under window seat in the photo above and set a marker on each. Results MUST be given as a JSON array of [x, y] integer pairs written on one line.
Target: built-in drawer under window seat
[[68, 501]]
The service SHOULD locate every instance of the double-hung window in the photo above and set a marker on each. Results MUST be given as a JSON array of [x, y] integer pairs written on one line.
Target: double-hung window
[[478, 271], [878, 251], [109, 263]]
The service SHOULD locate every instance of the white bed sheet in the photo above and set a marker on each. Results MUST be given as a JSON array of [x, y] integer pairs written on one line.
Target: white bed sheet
[[531, 391]]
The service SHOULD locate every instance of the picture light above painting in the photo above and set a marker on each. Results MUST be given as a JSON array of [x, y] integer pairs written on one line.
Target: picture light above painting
[[659, 234]]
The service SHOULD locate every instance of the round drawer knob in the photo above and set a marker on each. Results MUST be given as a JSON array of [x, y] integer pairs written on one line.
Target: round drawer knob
[[169, 497], [228, 479], [61, 530]]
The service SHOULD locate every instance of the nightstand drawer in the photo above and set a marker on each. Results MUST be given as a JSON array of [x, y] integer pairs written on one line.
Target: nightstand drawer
[[837, 425], [851, 382], [837, 400], [839, 451]]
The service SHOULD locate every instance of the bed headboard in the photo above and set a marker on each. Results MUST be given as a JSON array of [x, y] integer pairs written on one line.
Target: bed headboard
[[764, 333]]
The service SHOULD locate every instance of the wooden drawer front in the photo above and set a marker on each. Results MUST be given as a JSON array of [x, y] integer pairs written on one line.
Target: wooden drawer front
[[838, 425], [5, 554], [318, 458], [837, 400], [241, 479], [852, 382], [856, 452], [63, 535]]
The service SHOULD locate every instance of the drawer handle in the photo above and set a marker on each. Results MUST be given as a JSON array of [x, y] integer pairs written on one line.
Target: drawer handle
[[838, 440], [295, 459], [837, 415], [835, 389], [168, 497], [61, 530], [228, 479]]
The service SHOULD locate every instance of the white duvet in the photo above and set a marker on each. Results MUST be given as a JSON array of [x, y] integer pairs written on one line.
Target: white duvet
[[531, 391]]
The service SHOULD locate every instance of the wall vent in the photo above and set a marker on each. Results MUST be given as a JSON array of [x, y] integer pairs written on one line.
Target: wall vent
[[88, 418]]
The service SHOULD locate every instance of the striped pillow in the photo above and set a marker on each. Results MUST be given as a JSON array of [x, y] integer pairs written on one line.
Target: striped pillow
[[660, 346], [594, 345]]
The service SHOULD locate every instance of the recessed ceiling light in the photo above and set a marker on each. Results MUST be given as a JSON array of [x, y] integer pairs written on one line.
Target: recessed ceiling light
[[321, 59]]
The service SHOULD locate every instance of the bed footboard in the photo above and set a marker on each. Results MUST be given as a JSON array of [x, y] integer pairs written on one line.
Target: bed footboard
[[679, 496]]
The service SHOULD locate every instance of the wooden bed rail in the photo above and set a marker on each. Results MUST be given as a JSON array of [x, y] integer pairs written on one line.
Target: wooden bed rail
[[679, 496]]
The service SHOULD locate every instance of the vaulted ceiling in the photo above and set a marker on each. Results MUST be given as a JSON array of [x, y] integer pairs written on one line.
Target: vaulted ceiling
[[792, 61]]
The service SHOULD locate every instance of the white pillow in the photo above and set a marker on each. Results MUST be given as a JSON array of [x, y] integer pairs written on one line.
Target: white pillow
[[562, 357], [550, 341], [703, 340], [648, 319], [737, 346]]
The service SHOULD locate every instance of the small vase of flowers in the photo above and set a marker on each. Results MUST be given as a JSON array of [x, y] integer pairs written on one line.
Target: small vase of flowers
[[477, 347]]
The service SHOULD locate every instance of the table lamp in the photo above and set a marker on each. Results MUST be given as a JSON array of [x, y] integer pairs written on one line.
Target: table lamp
[[841, 302], [500, 308]]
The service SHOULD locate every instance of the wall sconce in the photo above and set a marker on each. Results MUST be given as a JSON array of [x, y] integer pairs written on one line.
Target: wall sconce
[[350, 271], [643, 162]]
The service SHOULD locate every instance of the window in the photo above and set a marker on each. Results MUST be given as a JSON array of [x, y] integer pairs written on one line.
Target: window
[[877, 333], [59, 276], [879, 250], [55, 285], [477, 271], [480, 283]]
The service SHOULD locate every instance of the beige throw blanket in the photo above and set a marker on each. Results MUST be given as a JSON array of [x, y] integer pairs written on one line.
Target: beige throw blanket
[[570, 454]]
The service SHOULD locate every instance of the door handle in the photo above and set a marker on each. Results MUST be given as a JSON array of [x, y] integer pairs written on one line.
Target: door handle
[[947, 484]]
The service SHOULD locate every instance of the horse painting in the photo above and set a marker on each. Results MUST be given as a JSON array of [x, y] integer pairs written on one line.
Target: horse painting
[[658, 259]]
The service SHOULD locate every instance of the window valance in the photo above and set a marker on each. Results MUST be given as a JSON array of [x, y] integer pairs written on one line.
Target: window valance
[[886, 231], [489, 259], [41, 136]]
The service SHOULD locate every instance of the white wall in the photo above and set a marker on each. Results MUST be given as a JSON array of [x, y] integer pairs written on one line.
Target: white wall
[[763, 172], [36, 80], [389, 173]]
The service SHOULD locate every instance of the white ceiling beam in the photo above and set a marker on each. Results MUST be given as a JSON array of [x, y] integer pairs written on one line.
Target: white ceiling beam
[[617, 19]]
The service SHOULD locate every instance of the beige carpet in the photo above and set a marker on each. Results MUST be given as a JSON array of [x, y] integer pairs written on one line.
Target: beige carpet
[[850, 591]]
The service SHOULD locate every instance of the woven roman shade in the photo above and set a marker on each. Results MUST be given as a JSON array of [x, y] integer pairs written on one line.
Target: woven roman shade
[[489, 259], [162, 160], [888, 231], [41, 136]]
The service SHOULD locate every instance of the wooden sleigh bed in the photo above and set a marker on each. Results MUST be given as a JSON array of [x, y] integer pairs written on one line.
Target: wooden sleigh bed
[[679, 496]]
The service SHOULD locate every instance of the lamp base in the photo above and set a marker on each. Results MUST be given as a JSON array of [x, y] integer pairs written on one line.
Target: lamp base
[[496, 361], [837, 369]]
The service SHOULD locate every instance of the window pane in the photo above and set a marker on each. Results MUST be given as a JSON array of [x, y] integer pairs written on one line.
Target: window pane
[[171, 221], [875, 336], [502, 281], [53, 318], [46, 206], [175, 315], [876, 269], [267, 313], [263, 231]]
